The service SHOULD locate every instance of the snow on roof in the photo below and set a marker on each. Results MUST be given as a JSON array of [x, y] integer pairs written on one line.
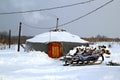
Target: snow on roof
[[56, 36]]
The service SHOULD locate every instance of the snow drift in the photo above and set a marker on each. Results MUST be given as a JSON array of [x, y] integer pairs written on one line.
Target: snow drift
[[24, 58]]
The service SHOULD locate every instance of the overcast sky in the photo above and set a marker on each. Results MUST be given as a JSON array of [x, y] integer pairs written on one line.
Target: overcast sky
[[105, 21]]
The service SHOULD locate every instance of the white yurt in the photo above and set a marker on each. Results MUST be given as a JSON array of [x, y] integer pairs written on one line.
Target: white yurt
[[55, 43]]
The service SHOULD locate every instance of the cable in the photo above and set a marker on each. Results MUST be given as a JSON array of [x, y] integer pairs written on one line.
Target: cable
[[73, 19], [46, 9], [35, 27], [85, 14]]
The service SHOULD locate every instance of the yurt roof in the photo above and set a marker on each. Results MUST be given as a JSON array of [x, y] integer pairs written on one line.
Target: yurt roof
[[56, 36]]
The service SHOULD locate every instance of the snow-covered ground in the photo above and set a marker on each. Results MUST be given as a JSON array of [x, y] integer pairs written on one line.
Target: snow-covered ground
[[38, 66]]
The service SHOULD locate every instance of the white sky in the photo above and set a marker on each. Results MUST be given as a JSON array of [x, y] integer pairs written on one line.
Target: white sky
[[104, 21]]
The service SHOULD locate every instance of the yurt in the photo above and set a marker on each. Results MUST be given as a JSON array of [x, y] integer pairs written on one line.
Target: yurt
[[54, 43]]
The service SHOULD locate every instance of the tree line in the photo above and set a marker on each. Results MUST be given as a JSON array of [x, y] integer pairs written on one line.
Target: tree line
[[102, 38], [4, 38]]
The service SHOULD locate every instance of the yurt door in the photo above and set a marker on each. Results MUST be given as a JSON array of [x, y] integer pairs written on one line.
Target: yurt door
[[55, 50]]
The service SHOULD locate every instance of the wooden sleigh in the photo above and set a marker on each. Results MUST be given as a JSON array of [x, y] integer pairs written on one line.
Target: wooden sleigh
[[85, 59]]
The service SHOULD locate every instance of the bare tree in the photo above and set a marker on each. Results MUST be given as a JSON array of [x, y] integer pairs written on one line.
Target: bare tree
[[4, 35]]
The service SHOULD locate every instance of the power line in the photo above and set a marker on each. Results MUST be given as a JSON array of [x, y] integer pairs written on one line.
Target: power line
[[46, 9], [73, 19], [85, 14], [36, 27]]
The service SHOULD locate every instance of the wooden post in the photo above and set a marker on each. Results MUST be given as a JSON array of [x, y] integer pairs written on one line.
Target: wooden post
[[9, 38], [19, 37]]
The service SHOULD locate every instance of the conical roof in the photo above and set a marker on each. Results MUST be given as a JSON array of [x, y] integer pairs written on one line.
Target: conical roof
[[56, 36]]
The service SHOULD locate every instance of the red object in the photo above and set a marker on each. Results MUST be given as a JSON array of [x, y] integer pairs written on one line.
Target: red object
[[55, 50]]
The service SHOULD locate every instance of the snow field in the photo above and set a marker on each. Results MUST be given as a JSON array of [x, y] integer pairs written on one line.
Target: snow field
[[38, 66]]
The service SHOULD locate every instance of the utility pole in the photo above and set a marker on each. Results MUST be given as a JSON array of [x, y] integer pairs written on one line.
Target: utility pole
[[19, 37], [9, 38]]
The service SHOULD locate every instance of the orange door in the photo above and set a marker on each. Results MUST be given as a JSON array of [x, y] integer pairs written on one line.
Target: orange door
[[55, 50]]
